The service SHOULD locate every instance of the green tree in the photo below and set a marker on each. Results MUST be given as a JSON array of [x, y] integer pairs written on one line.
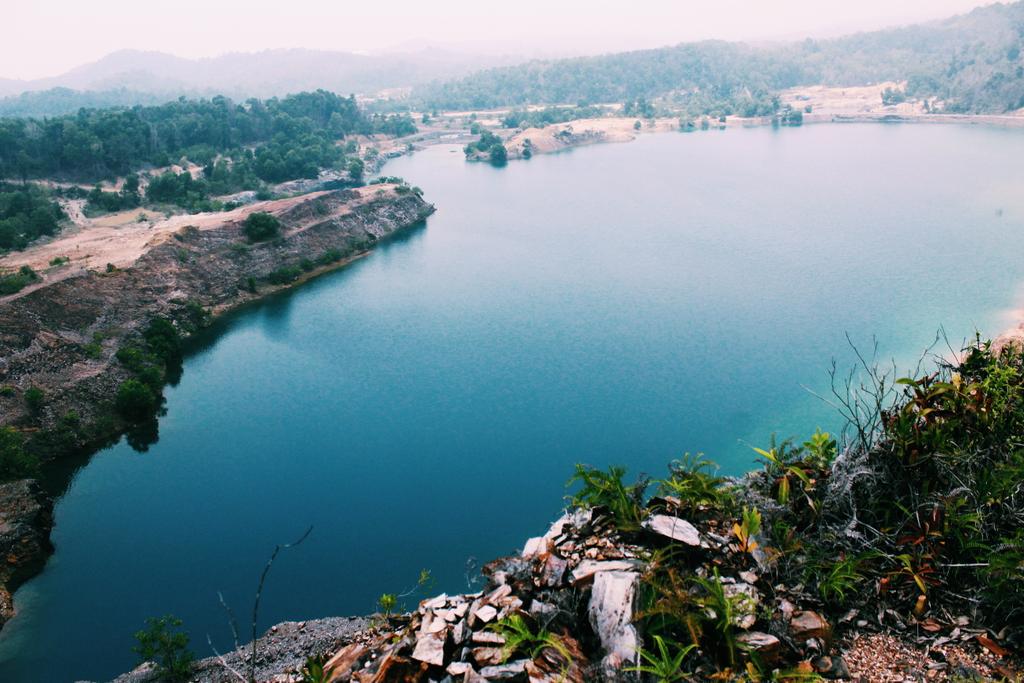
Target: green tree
[[135, 401], [355, 169], [163, 642], [261, 226], [15, 463], [498, 154]]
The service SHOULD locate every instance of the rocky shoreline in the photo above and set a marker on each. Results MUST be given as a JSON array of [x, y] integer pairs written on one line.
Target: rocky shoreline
[[571, 607], [62, 338]]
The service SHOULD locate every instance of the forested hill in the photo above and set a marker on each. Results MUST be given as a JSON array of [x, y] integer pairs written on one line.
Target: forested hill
[[293, 136], [972, 62]]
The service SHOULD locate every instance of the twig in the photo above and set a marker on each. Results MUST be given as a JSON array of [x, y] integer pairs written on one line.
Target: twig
[[259, 594], [223, 662]]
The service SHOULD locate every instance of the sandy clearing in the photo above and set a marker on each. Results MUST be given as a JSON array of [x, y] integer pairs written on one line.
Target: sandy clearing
[[120, 239], [840, 101], [559, 136]]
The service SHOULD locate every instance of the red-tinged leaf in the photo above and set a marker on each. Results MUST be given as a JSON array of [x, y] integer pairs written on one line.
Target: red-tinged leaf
[[992, 646]]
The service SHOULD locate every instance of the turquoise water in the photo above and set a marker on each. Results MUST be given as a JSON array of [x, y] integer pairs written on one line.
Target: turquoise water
[[616, 304]]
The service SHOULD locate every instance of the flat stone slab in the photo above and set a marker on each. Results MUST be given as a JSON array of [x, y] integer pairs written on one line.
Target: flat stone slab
[[674, 528], [587, 568]]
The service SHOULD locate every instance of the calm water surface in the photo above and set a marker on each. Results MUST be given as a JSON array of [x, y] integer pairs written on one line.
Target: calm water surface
[[616, 304]]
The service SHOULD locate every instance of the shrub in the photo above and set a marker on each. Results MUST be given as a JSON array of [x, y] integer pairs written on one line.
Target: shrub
[[164, 643], [497, 154], [11, 283], [261, 226], [15, 463], [93, 350], [330, 256], [284, 275], [607, 489], [163, 340], [135, 401], [692, 481], [34, 399]]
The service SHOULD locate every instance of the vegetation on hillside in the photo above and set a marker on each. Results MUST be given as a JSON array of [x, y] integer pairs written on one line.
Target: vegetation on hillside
[[972, 62], [917, 516], [290, 136], [26, 213], [60, 101]]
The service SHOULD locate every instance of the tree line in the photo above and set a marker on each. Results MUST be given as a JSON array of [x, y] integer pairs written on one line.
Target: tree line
[[291, 135], [972, 63]]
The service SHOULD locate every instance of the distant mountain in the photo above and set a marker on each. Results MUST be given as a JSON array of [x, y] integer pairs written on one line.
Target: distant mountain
[[157, 75], [973, 62]]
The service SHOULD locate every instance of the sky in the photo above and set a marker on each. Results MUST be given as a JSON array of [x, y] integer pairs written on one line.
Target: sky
[[46, 38]]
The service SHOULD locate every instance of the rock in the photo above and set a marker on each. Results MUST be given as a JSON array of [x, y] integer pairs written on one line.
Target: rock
[[610, 611], [553, 571], [459, 668], [541, 610], [502, 591], [25, 523], [485, 656], [535, 546], [430, 649], [341, 663], [767, 646], [831, 667], [488, 638], [807, 625], [460, 633], [434, 603], [674, 528], [745, 610], [588, 568], [574, 518], [485, 613], [504, 671]]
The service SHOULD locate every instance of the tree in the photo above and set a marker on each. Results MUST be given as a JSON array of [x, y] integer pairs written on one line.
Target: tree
[[135, 401], [163, 340], [355, 169], [498, 154], [15, 463], [261, 226], [164, 643]]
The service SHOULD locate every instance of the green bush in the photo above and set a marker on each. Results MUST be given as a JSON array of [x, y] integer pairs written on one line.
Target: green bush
[[11, 283], [34, 399], [497, 154], [284, 275], [163, 340], [163, 642], [135, 400], [261, 226], [330, 256], [15, 463]]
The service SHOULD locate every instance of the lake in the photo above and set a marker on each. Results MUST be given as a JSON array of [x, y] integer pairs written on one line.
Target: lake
[[425, 406]]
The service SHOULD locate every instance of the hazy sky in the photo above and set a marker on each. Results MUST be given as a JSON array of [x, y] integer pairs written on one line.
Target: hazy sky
[[46, 37]]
